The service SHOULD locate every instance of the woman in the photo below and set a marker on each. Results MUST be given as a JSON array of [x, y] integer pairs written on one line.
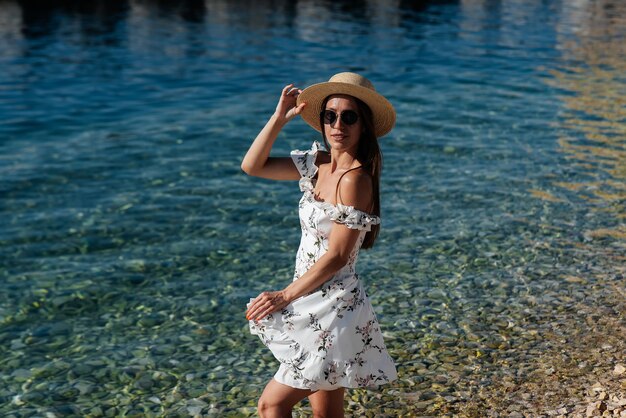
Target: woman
[[322, 327]]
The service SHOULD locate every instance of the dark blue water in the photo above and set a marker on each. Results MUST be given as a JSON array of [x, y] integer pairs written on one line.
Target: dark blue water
[[130, 239]]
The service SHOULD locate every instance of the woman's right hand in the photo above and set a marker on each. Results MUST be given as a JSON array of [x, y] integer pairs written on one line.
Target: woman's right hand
[[286, 108], [257, 161]]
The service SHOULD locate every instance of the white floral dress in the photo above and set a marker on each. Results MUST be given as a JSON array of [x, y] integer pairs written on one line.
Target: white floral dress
[[329, 338]]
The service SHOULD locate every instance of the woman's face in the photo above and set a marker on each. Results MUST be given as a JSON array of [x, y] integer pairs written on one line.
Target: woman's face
[[343, 133]]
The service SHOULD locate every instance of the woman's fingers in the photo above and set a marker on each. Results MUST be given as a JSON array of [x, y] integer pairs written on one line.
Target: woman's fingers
[[265, 304], [290, 91], [287, 88], [287, 101], [258, 304], [252, 309], [298, 109]]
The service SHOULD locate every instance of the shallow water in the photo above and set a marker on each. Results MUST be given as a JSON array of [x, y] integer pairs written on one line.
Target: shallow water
[[131, 241]]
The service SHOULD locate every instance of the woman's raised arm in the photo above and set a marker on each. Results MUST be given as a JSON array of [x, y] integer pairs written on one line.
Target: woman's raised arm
[[257, 161]]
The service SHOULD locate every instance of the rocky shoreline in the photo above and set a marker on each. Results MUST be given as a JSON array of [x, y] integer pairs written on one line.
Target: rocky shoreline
[[585, 380]]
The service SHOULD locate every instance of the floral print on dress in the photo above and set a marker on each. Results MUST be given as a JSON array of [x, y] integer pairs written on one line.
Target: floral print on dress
[[288, 317], [332, 373], [349, 302], [324, 340], [329, 338]]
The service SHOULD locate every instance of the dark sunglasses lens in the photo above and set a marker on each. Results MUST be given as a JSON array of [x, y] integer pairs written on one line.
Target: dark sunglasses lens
[[349, 117], [329, 117]]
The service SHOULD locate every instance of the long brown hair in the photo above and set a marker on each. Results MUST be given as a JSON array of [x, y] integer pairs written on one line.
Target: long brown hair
[[371, 159]]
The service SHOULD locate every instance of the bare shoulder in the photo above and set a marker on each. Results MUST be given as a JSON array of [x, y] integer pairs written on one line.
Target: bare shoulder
[[355, 189], [358, 177]]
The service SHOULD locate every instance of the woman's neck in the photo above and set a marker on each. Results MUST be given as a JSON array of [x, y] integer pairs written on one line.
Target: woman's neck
[[342, 160]]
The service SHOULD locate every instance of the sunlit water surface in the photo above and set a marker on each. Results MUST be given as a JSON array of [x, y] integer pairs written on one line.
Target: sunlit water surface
[[131, 241]]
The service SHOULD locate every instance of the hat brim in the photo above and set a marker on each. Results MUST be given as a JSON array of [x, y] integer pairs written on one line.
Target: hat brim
[[314, 95]]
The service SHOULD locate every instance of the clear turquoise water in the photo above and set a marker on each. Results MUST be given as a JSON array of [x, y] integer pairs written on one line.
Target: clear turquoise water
[[130, 240]]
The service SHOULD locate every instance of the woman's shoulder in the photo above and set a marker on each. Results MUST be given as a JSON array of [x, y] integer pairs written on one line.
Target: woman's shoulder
[[355, 189], [357, 177]]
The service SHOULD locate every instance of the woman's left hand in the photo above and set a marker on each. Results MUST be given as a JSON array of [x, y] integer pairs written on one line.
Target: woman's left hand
[[265, 304]]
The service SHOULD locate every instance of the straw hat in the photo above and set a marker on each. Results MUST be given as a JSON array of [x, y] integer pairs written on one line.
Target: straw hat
[[353, 85]]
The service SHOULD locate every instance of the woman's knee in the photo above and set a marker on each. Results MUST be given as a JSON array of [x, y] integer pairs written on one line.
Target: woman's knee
[[263, 407], [277, 400], [268, 408]]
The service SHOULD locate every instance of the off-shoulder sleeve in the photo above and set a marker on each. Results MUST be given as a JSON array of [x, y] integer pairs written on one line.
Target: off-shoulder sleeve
[[305, 160], [353, 218]]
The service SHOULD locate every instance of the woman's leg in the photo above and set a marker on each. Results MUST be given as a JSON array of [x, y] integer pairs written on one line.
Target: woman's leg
[[278, 400], [327, 403]]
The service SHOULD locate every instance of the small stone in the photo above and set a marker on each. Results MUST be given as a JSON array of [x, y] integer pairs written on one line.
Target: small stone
[[595, 409], [197, 348], [603, 396], [96, 411], [597, 387], [33, 396], [21, 375], [144, 383], [84, 387], [194, 410], [619, 369], [82, 369], [17, 344], [422, 405], [427, 396]]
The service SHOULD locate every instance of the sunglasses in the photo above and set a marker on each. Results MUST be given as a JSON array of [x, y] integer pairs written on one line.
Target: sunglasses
[[349, 117]]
